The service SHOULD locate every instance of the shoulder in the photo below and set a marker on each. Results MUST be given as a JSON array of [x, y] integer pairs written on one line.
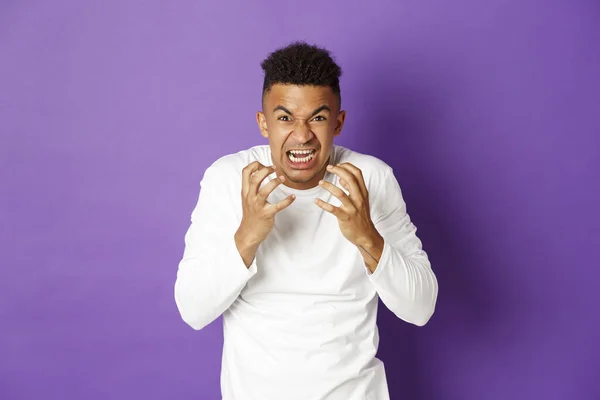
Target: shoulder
[[374, 170], [231, 165]]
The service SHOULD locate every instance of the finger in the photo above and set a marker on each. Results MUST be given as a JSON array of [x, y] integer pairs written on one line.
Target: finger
[[257, 177], [283, 204], [266, 190], [354, 170], [336, 211], [344, 185], [353, 186], [247, 173], [337, 192]]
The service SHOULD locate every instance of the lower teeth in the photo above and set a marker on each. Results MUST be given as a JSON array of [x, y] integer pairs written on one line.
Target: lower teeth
[[300, 160]]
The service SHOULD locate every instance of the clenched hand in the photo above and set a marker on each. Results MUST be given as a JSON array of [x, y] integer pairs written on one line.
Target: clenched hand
[[354, 216], [258, 215]]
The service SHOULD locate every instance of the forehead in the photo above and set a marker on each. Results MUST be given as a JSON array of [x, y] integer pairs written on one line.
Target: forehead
[[299, 98]]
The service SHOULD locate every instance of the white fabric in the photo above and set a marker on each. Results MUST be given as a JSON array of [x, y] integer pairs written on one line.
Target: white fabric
[[300, 323]]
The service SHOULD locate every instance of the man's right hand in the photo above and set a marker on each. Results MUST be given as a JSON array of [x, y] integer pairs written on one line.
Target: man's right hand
[[258, 216]]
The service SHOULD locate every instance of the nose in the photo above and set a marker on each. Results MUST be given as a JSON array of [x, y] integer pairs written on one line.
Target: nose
[[302, 132]]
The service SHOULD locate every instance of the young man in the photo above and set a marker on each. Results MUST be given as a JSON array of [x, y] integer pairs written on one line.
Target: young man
[[294, 242]]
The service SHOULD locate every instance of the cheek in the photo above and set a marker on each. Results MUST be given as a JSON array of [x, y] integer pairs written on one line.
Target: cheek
[[276, 139], [277, 150], [325, 135]]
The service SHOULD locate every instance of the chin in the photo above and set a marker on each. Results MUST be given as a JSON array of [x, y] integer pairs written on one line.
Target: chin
[[301, 178], [303, 175]]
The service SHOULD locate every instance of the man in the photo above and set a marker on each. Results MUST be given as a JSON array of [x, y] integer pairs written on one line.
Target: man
[[294, 242]]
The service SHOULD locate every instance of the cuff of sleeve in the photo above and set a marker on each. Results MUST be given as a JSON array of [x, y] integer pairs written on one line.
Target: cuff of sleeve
[[236, 264], [382, 264]]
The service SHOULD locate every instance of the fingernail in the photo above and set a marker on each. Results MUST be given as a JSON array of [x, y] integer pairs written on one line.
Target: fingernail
[[282, 178], [329, 166], [320, 182]]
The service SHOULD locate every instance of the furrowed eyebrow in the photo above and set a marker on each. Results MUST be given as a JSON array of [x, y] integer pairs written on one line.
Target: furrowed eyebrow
[[282, 108], [318, 110]]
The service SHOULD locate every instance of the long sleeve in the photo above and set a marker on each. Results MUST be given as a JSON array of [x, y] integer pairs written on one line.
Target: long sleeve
[[212, 273], [403, 278]]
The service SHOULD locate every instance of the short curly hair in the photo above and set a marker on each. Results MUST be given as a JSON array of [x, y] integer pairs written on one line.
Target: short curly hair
[[301, 64]]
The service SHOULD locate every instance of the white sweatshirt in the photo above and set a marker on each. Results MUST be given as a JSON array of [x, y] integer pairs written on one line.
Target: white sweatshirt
[[300, 323]]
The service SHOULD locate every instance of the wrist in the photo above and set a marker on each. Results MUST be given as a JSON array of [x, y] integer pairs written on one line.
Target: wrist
[[371, 249], [371, 241], [244, 238], [246, 246]]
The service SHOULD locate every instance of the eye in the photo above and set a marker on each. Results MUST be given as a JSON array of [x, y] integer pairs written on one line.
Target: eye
[[284, 118], [319, 118]]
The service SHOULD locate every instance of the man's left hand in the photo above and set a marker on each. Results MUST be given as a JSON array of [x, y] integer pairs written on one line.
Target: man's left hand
[[354, 215]]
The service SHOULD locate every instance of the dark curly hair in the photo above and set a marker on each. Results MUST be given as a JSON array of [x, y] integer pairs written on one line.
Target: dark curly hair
[[301, 64]]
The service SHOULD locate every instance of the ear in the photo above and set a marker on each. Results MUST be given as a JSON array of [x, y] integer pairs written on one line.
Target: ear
[[339, 123], [261, 120]]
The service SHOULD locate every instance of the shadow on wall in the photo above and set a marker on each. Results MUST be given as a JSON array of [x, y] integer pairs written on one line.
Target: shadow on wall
[[399, 124]]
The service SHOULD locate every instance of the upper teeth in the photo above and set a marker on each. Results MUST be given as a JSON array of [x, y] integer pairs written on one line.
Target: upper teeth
[[301, 151], [301, 156]]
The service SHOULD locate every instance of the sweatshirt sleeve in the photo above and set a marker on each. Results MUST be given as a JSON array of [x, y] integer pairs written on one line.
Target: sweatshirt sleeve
[[403, 278], [212, 273]]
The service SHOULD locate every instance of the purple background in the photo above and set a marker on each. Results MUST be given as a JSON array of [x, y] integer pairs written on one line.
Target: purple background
[[111, 111]]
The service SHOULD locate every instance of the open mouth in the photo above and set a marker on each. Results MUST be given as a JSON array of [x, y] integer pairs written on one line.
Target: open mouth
[[301, 156]]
